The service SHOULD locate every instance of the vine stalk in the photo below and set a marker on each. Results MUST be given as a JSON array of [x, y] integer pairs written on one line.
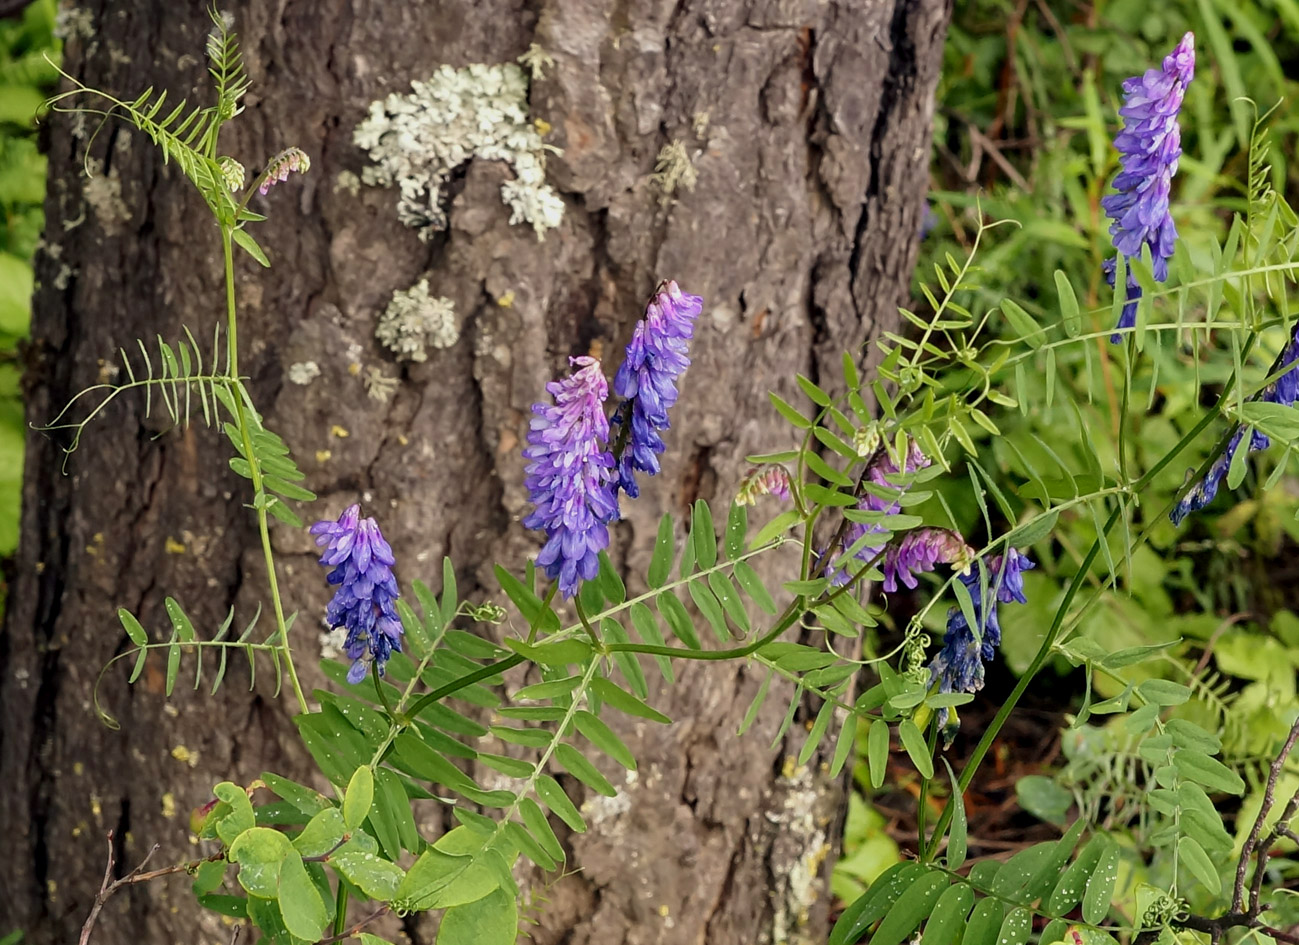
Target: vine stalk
[[245, 433]]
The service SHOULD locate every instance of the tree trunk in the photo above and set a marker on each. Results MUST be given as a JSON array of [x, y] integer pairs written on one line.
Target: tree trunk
[[808, 126]]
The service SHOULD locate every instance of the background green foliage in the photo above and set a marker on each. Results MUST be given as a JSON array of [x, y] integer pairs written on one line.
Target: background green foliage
[[1027, 110], [25, 80]]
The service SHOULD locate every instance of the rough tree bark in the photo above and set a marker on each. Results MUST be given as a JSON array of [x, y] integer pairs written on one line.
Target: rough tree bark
[[809, 126]]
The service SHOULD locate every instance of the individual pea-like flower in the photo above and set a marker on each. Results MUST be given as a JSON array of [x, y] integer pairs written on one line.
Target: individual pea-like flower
[[365, 602], [923, 550], [647, 380], [767, 479], [959, 665], [882, 473], [282, 165], [1284, 391], [1149, 145], [568, 476]]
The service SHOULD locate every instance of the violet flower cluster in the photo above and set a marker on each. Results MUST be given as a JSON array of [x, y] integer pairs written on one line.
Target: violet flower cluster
[[958, 667], [656, 357], [881, 472], [573, 477], [1284, 391], [923, 550], [365, 602], [569, 476], [1149, 145]]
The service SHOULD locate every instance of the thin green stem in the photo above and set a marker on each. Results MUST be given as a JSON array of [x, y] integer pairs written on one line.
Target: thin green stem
[[254, 468], [441, 692], [586, 625], [786, 621], [545, 606], [340, 911]]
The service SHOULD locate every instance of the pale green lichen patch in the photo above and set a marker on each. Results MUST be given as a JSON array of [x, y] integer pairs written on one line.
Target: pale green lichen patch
[[797, 856], [380, 386], [673, 170], [304, 372], [415, 321], [536, 60], [103, 193], [480, 111]]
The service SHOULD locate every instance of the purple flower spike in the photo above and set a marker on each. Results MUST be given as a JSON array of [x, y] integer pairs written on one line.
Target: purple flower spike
[[656, 358], [880, 474], [365, 602], [568, 476], [923, 550], [1149, 146], [958, 667], [1284, 391]]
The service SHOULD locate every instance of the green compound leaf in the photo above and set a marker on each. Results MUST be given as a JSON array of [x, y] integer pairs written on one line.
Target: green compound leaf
[[677, 618], [624, 701], [260, 853], [912, 907], [949, 915], [985, 923], [180, 623], [710, 607], [1199, 863], [1073, 882], [788, 412], [1069, 312], [300, 903], [1204, 769], [1048, 873], [873, 904], [321, 834], [604, 738], [553, 796], [528, 845], [956, 833], [492, 920], [234, 815], [702, 536], [132, 627], [753, 586], [583, 770], [1100, 885], [359, 797], [1024, 325], [373, 875], [1016, 927], [661, 561], [454, 871], [534, 818], [914, 743], [877, 751], [737, 526]]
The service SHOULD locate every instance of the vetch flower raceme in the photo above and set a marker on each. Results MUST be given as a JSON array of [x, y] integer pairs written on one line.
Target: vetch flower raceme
[[365, 602], [1150, 145], [923, 550], [282, 165], [881, 472], [647, 380], [1284, 391], [767, 479], [958, 667], [568, 476]]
